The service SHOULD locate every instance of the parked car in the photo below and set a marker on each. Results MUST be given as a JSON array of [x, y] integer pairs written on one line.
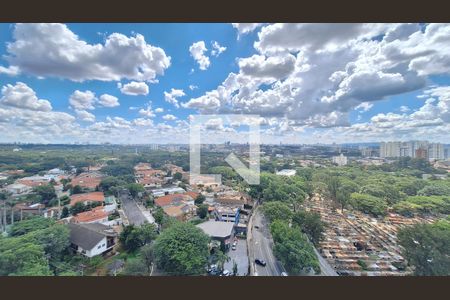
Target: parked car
[[213, 270], [225, 273], [233, 247], [284, 274], [260, 262], [256, 226]]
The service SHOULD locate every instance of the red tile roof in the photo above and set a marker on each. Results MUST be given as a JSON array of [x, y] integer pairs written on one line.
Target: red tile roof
[[97, 213], [193, 195], [86, 180], [90, 197], [171, 199]]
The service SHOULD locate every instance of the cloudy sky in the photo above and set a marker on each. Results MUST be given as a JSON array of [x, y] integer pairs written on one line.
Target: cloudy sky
[[302, 83]]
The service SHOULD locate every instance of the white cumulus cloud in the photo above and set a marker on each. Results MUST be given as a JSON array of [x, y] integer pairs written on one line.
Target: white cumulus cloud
[[53, 50], [197, 51], [134, 88]]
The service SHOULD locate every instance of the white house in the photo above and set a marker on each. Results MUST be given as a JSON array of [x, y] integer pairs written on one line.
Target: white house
[[91, 239]]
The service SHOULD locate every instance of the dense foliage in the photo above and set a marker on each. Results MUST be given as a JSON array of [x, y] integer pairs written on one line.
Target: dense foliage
[[427, 248], [133, 237], [33, 252], [292, 249], [182, 249]]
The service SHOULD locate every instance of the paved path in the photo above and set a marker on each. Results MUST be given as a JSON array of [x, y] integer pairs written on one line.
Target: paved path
[[325, 268]]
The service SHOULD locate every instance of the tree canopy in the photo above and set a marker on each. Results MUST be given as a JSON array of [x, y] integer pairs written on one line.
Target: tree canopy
[[427, 248], [182, 249]]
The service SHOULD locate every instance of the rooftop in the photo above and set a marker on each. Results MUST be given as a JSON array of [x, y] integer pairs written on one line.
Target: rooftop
[[88, 235], [97, 213], [93, 196], [216, 228]]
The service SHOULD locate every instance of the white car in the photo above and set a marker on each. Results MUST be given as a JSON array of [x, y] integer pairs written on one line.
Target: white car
[[226, 273], [284, 274]]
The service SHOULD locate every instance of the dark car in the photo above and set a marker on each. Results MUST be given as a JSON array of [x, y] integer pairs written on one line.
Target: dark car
[[260, 262], [256, 226]]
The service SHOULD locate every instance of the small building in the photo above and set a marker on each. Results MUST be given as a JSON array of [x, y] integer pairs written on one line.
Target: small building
[[220, 231], [227, 214], [96, 215], [286, 172], [87, 180], [167, 191], [91, 239], [17, 188], [56, 172], [110, 204], [232, 198], [87, 198]]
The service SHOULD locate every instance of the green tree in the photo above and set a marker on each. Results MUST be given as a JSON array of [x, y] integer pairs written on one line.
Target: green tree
[[276, 210], [177, 176], [311, 224], [292, 248], [64, 200], [159, 215], [182, 249], [25, 226], [135, 189], [427, 248], [202, 211], [77, 208], [64, 212], [46, 192], [200, 199], [148, 256], [76, 190], [133, 237], [135, 267], [368, 204]]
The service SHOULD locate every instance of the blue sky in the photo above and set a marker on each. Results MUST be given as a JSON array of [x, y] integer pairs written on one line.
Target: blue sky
[[306, 83]]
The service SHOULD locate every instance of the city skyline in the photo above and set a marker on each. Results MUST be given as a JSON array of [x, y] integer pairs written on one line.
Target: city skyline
[[143, 83]]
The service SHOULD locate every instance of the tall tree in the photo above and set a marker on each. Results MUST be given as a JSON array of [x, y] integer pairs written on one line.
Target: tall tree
[[182, 249], [427, 248]]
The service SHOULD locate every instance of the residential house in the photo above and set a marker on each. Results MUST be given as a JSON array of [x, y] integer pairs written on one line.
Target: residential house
[[180, 206], [87, 198], [232, 198], [167, 191], [96, 215], [92, 239], [87, 180], [18, 188]]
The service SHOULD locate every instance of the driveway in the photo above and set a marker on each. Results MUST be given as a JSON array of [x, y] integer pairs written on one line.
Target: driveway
[[240, 257]]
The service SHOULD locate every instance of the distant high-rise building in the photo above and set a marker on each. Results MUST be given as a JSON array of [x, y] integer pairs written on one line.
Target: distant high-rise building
[[414, 149], [390, 149], [366, 152], [340, 160], [154, 147], [421, 153], [436, 151]]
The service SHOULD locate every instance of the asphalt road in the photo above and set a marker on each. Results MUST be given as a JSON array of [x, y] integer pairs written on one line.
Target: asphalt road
[[261, 246], [131, 210]]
